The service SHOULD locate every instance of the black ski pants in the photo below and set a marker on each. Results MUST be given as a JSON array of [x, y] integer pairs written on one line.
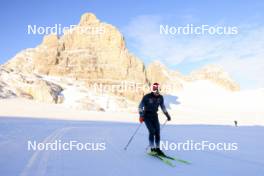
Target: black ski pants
[[152, 122]]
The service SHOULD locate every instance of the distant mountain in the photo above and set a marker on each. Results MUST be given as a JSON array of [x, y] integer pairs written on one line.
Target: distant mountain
[[84, 55], [17, 84], [215, 74], [174, 80], [65, 69]]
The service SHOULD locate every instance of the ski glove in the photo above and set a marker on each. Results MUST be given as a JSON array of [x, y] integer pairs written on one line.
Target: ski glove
[[168, 116], [141, 119]]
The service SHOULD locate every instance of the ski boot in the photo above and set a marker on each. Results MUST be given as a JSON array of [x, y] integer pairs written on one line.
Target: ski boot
[[159, 152], [153, 151]]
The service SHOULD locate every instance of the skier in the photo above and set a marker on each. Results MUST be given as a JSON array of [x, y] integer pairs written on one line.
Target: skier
[[235, 123], [148, 108]]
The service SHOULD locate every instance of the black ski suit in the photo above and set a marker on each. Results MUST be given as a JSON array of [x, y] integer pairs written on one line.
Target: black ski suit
[[148, 109]]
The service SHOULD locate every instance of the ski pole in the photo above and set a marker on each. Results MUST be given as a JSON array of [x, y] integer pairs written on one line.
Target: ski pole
[[131, 138]]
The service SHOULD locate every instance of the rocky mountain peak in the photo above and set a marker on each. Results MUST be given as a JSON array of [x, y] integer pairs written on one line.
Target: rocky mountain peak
[[50, 40], [94, 58], [88, 18], [157, 72], [216, 74], [84, 54]]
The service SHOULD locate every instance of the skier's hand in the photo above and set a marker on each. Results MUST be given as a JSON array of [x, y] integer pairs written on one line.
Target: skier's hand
[[141, 119], [168, 116]]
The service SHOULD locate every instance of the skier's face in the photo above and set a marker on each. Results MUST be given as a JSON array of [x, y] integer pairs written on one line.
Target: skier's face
[[156, 93]]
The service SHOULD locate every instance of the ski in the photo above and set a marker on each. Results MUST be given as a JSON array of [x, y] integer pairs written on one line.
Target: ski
[[177, 159], [162, 158]]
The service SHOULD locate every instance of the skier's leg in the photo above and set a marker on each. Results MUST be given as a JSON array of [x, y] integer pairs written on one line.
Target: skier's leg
[[157, 139], [157, 136], [157, 132], [151, 131]]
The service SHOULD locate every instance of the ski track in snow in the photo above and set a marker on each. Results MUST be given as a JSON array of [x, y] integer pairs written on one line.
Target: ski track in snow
[[40, 159], [115, 161]]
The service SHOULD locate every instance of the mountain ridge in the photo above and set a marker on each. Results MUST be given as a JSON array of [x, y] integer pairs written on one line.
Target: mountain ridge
[[96, 58]]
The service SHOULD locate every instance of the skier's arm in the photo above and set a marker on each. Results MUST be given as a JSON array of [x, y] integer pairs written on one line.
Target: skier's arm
[[163, 108], [141, 107]]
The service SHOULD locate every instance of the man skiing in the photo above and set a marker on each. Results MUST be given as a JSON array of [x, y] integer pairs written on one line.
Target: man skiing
[[148, 109]]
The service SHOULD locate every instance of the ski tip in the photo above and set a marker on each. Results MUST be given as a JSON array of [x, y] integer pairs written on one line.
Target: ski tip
[[185, 162]]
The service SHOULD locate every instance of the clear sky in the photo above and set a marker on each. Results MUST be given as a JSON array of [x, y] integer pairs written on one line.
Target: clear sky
[[139, 20]]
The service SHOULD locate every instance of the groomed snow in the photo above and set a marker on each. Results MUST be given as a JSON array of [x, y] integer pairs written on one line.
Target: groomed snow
[[15, 159]]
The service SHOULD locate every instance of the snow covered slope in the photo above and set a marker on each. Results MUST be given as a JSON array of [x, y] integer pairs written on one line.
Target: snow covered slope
[[16, 160], [204, 102]]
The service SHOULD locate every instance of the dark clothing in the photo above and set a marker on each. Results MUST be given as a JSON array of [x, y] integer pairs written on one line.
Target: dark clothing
[[150, 104], [153, 126], [148, 109]]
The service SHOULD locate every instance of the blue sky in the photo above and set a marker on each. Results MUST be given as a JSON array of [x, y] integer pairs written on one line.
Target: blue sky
[[139, 20]]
